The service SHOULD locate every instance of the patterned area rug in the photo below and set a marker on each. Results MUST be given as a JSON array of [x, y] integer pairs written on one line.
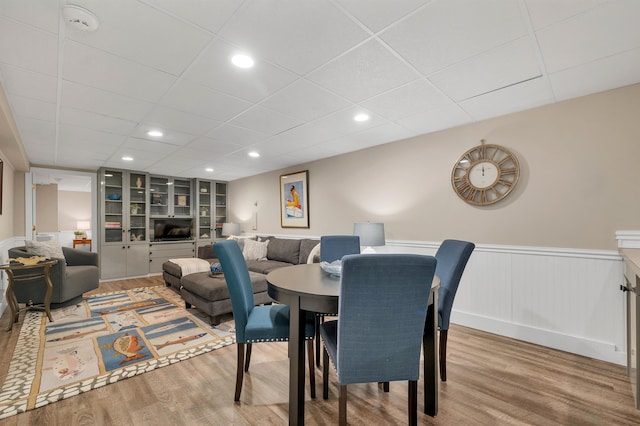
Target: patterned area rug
[[105, 338]]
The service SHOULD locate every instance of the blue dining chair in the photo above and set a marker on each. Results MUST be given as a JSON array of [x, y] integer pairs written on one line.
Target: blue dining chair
[[379, 339], [254, 324], [332, 248], [452, 256]]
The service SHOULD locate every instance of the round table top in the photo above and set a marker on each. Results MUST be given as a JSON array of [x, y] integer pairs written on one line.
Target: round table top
[[304, 279]]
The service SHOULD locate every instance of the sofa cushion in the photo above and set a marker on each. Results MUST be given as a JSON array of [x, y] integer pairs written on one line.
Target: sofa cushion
[[284, 250], [207, 252], [215, 288], [306, 245], [265, 266]]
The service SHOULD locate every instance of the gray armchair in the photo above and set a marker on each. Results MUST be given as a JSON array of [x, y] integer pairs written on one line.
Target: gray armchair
[[72, 276]]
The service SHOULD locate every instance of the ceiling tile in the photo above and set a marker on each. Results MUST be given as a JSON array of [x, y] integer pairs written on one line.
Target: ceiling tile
[[547, 12], [305, 100], [214, 69], [95, 68], [418, 96], [446, 32], [211, 15], [604, 74], [605, 30], [366, 71], [102, 102], [87, 119], [297, 35], [37, 51], [377, 14], [265, 120], [170, 118], [506, 65], [89, 140], [169, 137], [143, 34], [29, 84], [204, 146], [33, 108], [235, 135], [42, 14], [203, 101], [528, 94]]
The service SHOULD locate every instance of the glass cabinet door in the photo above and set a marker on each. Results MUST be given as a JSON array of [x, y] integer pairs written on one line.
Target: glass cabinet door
[[221, 207], [204, 194], [137, 207], [159, 196], [113, 206], [182, 197]]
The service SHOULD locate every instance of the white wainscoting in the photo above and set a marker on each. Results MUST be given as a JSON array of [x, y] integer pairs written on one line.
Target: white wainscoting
[[561, 298]]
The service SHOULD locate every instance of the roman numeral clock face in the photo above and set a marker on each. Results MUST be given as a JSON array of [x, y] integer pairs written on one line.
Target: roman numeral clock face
[[485, 174]]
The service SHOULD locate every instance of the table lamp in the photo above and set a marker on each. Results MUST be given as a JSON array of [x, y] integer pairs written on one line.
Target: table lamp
[[230, 229], [83, 226], [371, 234]]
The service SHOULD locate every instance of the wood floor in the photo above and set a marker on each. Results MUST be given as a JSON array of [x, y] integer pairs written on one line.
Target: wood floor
[[492, 380]]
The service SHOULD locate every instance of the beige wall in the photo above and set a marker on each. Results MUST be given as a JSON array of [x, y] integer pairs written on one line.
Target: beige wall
[[6, 218], [47, 208], [578, 183], [73, 206]]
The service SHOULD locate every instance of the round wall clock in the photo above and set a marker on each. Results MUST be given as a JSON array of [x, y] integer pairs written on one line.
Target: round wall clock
[[485, 174]]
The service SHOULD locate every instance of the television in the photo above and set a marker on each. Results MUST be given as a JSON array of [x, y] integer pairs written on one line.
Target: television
[[172, 229]]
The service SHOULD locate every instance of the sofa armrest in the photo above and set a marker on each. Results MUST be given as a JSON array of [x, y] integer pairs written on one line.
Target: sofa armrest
[[76, 257]]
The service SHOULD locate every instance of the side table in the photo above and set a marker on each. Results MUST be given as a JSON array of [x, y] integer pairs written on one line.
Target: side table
[[82, 241], [26, 273]]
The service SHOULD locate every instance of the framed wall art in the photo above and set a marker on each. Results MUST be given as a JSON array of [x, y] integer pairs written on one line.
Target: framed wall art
[[294, 200]]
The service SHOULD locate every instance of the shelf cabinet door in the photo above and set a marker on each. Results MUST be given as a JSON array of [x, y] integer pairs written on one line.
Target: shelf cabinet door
[[170, 197], [204, 224], [113, 219]]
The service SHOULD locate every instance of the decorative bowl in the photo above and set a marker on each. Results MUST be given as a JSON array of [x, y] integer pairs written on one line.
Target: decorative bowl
[[114, 197], [334, 268]]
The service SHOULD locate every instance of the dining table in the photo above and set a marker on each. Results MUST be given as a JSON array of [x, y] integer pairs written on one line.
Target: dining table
[[307, 288]]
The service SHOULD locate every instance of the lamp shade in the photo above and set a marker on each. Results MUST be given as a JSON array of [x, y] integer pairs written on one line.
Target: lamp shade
[[230, 229], [83, 225], [371, 234]]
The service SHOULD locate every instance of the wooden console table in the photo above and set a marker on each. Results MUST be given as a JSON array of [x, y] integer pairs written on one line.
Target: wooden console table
[[31, 272], [82, 241]]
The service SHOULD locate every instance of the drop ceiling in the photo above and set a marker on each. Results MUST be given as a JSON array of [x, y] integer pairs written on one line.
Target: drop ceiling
[[83, 100]]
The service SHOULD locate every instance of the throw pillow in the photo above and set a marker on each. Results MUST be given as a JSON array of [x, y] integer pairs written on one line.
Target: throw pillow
[[255, 250], [45, 248], [241, 239]]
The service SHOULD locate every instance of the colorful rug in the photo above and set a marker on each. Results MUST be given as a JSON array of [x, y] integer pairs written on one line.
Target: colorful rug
[[105, 338]]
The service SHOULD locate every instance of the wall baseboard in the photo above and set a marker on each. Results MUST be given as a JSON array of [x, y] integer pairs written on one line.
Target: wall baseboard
[[604, 351]]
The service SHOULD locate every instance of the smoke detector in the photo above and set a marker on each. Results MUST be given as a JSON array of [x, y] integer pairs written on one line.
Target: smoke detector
[[79, 18]]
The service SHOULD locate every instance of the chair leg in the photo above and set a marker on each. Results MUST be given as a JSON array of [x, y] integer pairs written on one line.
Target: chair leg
[[325, 373], [342, 410], [317, 339], [443, 355], [239, 372], [413, 402], [312, 370], [248, 360], [385, 386]]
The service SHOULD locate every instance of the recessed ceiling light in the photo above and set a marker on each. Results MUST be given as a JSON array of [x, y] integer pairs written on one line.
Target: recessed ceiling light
[[361, 117], [209, 169], [242, 61], [155, 133], [127, 158], [254, 154]]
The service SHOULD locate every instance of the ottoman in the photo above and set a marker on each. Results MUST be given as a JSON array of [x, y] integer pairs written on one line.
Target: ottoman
[[209, 293]]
